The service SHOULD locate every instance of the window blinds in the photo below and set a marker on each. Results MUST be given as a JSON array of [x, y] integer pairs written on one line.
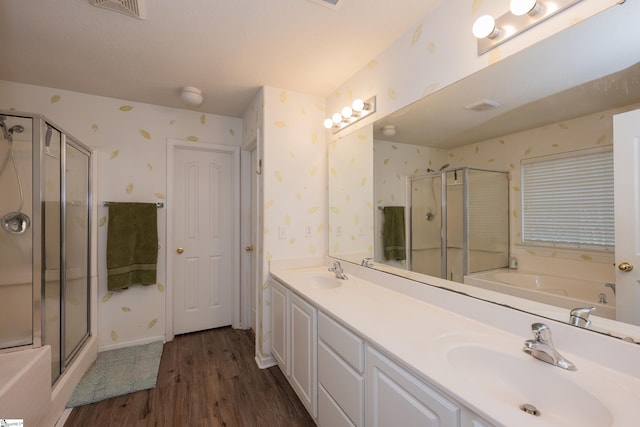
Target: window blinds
[[569, 201]]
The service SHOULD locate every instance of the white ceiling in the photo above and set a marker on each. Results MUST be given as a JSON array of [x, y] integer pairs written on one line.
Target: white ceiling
[[227, 48]]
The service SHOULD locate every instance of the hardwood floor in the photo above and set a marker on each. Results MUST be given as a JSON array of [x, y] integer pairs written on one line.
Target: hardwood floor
[[206, 378]]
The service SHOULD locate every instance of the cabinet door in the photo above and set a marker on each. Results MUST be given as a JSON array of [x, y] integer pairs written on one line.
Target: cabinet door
[[395, 398], [279, 325], [303, 374]]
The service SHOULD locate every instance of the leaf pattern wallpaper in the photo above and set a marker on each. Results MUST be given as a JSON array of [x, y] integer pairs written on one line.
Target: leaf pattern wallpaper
[[129, 143]]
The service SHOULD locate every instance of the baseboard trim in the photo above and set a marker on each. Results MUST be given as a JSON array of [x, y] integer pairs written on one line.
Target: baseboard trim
[[265, 362], [142, 341]]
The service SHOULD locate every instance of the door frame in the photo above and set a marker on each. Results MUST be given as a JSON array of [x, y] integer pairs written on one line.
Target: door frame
[[248, 176], [172, 145]]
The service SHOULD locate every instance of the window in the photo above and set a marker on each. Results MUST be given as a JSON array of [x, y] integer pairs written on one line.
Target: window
[[568, 201]]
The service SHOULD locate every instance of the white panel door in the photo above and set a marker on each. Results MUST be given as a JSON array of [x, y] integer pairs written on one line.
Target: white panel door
[[203, 229], [626, 159]]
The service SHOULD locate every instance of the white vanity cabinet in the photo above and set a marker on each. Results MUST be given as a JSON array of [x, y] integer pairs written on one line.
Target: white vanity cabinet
[[279, 325], [397, 398], [345, 381], [294, 342], [340, 375]]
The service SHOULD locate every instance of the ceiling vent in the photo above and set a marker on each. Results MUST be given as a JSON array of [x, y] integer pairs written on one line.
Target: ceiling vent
[[134, 8], [331, 4], [482, 105]]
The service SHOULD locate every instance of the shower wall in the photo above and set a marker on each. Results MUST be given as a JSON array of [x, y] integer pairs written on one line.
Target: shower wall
[[16, 263]]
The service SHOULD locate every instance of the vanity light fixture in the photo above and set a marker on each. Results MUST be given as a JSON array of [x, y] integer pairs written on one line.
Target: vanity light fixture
[[522, 15], [350, 114], [525, 7]]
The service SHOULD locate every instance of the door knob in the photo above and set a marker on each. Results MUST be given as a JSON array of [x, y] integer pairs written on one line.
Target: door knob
[[180, 250], [249, 248], [625, 266]]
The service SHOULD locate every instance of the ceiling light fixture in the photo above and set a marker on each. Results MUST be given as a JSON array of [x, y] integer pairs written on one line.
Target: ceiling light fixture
[[523, 14], [191, 96], [389, 130], [350, 114]]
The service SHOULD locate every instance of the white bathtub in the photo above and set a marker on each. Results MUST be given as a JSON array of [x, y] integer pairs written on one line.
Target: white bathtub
[[558, 291], [25, 385]]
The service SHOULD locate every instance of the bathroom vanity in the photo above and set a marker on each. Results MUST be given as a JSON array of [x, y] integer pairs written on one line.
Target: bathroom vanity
[[375, 350]]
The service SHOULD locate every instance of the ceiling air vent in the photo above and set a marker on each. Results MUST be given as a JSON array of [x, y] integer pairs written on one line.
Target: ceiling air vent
[[482, 105], [332, 4], [133, 8]]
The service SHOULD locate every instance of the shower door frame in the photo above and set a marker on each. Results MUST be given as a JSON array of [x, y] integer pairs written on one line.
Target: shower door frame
[[39, 125], [65, 139], [443, 216]]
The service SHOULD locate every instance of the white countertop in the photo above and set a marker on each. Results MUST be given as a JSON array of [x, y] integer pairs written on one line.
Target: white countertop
[[420, 335]]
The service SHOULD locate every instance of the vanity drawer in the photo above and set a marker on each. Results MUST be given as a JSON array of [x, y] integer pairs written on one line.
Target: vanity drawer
[[329, 412], [342, 383], [342, 341]]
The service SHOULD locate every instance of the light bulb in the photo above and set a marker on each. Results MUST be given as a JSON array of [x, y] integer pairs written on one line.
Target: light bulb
[[347, 112], [523, 7], [328, 123], [336, 118], [358, 105], [485, 27]]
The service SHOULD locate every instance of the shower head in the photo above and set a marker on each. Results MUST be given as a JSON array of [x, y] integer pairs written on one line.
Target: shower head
[[8, 132], [443, 167], [15, 129]]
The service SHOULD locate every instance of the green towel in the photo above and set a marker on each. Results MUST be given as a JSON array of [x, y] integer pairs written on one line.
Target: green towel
[[393, 233], [132, 245]]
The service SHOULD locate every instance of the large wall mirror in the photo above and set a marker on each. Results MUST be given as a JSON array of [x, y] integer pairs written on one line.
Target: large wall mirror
[[441, 178]]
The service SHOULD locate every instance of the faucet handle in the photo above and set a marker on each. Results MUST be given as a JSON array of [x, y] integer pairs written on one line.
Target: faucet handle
[[541, 332], [580, 316], [367, 262]]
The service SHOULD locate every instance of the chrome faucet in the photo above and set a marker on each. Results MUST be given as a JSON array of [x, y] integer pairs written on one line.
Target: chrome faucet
[[580, 316], [367, 262], [541, 347], [336, 268]]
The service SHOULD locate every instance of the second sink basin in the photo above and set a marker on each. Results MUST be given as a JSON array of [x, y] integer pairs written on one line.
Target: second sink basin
[[517, 379]]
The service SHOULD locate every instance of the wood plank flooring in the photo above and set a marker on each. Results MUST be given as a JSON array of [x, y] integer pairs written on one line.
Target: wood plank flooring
[[206, 378]]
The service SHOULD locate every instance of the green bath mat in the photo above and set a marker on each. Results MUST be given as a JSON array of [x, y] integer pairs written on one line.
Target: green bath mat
[[118, 372]]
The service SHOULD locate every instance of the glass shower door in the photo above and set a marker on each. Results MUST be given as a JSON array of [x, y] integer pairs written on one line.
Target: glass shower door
[[76, 249]]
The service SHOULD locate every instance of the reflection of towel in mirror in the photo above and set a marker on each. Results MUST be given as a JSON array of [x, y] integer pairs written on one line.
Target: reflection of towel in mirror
[[393, 233], [132, 245]]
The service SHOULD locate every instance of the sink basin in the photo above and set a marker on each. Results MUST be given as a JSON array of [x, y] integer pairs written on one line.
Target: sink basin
[[324, 282], [516, 379]]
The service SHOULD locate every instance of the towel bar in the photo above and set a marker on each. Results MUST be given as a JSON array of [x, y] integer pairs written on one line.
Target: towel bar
[[158, 204]]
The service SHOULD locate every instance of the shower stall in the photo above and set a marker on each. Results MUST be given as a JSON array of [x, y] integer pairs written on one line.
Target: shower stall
[[44, 238], [458, 222]]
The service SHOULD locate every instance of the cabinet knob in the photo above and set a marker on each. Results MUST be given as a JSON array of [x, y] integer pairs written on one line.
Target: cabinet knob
[[249, 248], [180, 250]]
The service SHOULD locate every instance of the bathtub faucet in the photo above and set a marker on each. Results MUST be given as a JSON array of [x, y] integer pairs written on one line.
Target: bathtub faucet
[[612, 286], [580, 317], [541, 347]]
